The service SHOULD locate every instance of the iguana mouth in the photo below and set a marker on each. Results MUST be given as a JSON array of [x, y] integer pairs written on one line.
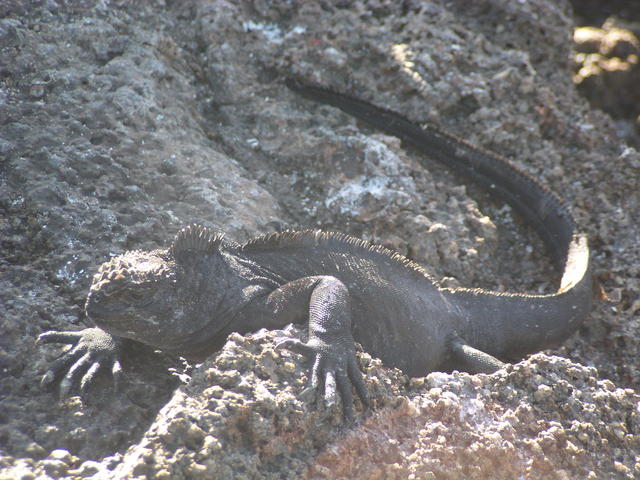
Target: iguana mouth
[[99, 312]]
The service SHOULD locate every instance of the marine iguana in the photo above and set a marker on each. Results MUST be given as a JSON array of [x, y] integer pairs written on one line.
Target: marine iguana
[[187, 298]]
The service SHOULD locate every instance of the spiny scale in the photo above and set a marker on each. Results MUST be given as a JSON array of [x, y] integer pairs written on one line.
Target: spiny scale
[[196, 238], [335, 240]]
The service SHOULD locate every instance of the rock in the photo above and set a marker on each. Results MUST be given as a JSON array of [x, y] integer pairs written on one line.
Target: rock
[[120, 124], [607, 62]]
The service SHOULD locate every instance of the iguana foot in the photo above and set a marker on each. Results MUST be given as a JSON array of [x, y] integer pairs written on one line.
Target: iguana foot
[[93, 348], [334, 371]]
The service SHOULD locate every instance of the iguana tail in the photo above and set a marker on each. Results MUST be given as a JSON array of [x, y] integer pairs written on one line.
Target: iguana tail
[[540, 207]]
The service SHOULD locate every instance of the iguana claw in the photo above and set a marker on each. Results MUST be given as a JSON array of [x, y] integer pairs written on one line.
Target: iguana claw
[[92, 349], [334, 371]]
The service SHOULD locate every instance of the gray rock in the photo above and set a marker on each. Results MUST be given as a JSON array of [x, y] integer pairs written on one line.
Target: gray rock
[[119, 124]]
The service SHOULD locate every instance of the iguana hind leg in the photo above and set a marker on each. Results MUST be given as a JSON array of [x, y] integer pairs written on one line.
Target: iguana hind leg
[[468, 359]]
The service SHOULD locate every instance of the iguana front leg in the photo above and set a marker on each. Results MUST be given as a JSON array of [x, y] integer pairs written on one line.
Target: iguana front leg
[[325, 301], [93, 348]]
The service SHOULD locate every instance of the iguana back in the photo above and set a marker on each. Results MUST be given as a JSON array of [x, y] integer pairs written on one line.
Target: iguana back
[[396, 306]]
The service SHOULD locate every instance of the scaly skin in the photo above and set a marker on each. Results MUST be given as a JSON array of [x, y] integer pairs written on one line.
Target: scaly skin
[[188, 298]]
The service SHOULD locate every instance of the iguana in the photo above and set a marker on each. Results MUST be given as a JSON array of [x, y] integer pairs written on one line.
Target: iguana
[[187, 298]]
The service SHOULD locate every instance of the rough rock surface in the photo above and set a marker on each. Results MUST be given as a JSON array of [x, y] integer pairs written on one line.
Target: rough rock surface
[[120, 123], [595, 12], [607, 71]]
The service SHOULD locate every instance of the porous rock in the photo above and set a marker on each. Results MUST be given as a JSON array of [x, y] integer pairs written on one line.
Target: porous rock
[[122, 122]]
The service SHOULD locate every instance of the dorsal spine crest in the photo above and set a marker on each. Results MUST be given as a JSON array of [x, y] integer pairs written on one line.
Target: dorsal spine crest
[[195, 238]]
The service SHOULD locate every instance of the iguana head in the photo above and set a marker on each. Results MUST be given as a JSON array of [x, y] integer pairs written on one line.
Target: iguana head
[[152, 296], [134, 295]]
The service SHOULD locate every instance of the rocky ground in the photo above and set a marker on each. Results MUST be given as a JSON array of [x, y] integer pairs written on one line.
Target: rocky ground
[[607, 70], [122, 122]]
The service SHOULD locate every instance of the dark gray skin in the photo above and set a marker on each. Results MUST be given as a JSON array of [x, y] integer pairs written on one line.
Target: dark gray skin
[[186, 299]]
